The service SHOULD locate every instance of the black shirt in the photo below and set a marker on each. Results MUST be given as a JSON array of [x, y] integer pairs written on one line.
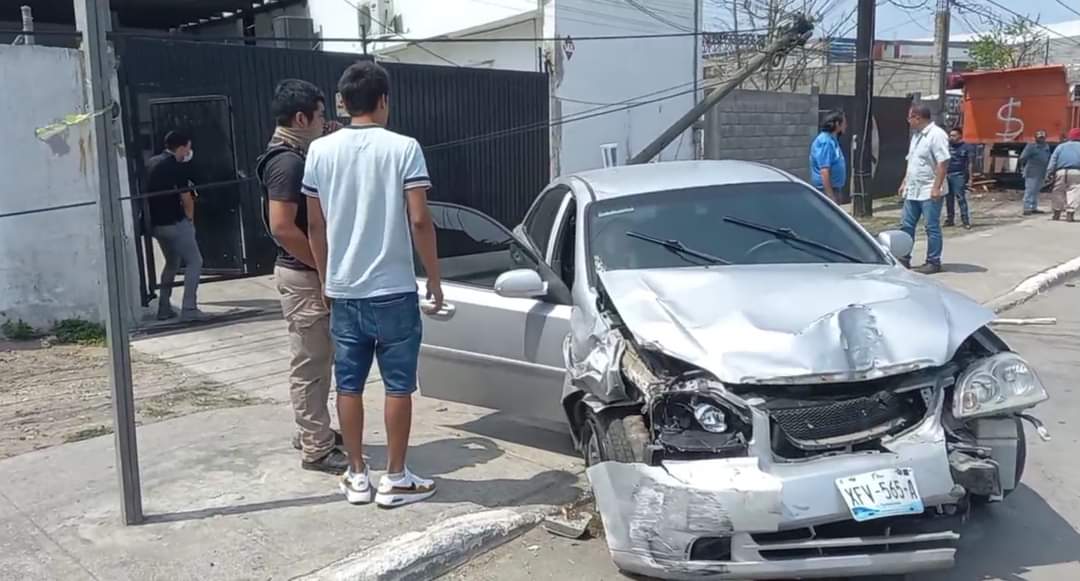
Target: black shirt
[[281, 175], [164, 173]]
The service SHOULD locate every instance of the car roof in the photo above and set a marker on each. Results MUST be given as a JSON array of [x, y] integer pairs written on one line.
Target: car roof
[[629, 180]]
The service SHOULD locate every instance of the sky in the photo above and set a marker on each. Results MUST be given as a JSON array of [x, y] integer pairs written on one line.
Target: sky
[[895, 22]]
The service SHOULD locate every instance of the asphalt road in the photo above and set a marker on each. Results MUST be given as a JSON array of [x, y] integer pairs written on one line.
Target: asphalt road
[[1032, 536]]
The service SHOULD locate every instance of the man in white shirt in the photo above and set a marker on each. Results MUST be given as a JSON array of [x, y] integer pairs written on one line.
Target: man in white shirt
[[367, 208], [922, 188]]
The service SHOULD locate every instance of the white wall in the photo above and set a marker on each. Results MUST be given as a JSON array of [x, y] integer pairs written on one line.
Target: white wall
[[519, 56], [51, 264], [613, 71]]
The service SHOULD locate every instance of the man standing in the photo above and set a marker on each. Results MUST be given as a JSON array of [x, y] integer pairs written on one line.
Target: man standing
[[1065, 168], [960, 160], [172, 219], [367, 208], [828, 171], [1035, 158], [299, 112], [927, 162]]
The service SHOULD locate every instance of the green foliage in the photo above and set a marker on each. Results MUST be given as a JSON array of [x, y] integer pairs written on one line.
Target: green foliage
[[17, 330], [79, 332], [1008, 45]]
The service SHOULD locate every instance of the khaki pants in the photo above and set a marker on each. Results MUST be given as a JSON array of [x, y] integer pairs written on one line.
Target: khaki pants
[[312, 356], [1066, 193]]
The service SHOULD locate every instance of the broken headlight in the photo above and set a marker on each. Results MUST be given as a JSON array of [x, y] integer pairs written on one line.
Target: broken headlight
[[998, 384]]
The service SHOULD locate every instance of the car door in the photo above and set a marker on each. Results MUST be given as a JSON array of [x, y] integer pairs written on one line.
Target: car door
[[484, 349]]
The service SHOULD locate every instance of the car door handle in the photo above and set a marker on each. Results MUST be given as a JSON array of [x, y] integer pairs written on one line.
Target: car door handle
[[447, 311]]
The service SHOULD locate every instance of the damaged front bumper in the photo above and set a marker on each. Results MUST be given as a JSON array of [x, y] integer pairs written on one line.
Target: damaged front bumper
[[759, 518]]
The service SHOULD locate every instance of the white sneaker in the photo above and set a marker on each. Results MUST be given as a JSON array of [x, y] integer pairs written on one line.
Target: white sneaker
[[408, 489], [356, 487]]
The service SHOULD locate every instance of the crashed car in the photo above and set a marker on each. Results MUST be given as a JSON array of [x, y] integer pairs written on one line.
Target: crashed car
[[758, 387]]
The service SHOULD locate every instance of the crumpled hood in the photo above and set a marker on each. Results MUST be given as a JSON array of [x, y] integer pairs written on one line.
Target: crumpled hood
[[795, 323]]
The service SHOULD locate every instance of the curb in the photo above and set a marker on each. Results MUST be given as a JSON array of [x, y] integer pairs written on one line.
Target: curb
[[438, 549], [1035, 285]]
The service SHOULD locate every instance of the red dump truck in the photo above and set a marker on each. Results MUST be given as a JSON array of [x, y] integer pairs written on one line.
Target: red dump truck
[[1003, 109]]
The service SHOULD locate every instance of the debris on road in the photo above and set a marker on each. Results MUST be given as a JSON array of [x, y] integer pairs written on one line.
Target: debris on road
[[1032, 321]]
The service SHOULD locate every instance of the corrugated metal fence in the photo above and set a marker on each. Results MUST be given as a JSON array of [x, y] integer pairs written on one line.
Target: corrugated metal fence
[[442, 107]]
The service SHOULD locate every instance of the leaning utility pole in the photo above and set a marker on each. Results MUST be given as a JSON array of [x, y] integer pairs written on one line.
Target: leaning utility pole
[[941, 46], [862, 200], [94, 19], [793, 35]]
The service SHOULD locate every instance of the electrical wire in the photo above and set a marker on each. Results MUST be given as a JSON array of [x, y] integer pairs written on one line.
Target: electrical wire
[[654, 15], [1030, 21], [417, 44], [1067, 7]]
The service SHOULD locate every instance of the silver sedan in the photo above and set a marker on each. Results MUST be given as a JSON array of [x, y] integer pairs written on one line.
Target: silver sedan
[[759, 389]]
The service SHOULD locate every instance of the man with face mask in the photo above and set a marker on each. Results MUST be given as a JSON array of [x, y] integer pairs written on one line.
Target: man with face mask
[[172, 220], [299, 111], [1035, 158]]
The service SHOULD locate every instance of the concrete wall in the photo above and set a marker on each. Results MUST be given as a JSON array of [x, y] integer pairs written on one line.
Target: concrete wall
[[51, 264], [602, 77], [771, 128], [891, 78]]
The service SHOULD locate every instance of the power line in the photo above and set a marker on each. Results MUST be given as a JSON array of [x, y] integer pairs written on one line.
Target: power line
[[654, 15], [1035, 22], [385, 27], [1067, 7]]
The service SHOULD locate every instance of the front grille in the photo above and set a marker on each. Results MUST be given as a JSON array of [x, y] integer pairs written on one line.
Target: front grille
[[822, 423], [889, 535]]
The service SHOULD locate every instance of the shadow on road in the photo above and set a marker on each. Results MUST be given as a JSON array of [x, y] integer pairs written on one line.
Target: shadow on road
[[961, 268], [1006, 541], [552, 438]]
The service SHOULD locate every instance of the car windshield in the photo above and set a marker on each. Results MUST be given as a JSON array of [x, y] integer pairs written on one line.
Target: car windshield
[[759, 223]]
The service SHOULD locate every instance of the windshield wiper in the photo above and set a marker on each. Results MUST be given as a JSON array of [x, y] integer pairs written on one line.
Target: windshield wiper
[[679, 248], [789, 234]]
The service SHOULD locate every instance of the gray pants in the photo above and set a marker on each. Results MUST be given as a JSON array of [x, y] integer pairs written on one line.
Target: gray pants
[[178, 243]]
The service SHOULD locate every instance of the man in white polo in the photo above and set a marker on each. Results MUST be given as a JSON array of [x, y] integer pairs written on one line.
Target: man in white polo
[[923, 185]]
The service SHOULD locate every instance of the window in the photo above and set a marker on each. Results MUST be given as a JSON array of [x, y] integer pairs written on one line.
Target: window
[[540, 222], [695, 217], [473, 248], [562, 260]]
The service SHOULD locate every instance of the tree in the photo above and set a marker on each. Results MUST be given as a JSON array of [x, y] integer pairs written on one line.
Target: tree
[[1008, 45]]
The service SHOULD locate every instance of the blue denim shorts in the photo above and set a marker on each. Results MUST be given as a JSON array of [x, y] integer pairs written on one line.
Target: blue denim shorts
[[386, 328]]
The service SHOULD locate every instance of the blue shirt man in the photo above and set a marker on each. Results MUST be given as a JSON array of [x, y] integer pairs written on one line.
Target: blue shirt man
[[959, 172], [828, 170]]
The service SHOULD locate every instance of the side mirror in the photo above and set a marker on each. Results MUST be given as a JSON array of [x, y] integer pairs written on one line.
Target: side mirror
[[898, 243], [522, 283]]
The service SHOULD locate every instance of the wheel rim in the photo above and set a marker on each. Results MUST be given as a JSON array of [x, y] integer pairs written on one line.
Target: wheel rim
[[592, 449]]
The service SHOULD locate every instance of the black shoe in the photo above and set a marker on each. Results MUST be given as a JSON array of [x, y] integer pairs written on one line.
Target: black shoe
[[949, 223], [929, 268], [1037, 211], [1056, 215], [1030, 212], [906, 262], [334, 462], [165, 315], [338, 440]]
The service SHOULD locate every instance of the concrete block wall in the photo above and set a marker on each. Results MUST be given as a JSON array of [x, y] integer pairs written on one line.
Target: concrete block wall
[[767, 127]]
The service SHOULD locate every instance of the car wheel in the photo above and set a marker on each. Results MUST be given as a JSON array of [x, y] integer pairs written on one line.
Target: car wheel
[[614, 435]]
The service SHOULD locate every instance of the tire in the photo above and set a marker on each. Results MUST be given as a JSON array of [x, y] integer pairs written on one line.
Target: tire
[[620, 436]]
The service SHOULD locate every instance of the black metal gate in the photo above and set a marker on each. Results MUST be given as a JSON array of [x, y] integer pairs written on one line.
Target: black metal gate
[[890, 134], [167, 82]]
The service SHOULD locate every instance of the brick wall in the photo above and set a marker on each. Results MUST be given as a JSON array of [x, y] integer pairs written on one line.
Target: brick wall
[[767, 127]]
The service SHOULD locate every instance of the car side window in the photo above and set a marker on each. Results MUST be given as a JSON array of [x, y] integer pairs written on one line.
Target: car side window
[[540, 221], [473, 248], [562, 259]]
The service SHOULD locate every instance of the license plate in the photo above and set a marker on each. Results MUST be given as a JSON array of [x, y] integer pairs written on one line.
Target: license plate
[[881, 493]]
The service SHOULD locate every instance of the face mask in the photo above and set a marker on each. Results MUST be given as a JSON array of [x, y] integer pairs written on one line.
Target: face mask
[[187, 158]]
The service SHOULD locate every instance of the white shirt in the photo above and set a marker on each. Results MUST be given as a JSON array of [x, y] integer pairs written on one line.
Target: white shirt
[[928, 148], [360, 175]]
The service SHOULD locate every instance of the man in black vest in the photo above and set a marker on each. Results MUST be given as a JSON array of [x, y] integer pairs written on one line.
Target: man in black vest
[[299, 111]]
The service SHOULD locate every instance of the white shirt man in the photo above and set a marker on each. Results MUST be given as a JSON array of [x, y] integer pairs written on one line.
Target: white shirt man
[[927, 166]]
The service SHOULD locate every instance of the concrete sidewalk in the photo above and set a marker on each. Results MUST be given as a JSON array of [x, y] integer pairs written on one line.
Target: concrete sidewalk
[[226, 498], [988, 264]]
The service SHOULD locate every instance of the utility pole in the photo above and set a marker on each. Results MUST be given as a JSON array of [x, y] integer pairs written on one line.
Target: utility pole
[[862, 200], [93, 18], [941, 44], [793, 35]]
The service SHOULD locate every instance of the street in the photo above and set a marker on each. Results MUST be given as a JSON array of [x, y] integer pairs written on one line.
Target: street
[[1033, 536]]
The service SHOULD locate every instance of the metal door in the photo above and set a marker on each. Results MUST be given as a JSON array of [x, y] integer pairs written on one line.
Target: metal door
[[218, 224], [483, 349]]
